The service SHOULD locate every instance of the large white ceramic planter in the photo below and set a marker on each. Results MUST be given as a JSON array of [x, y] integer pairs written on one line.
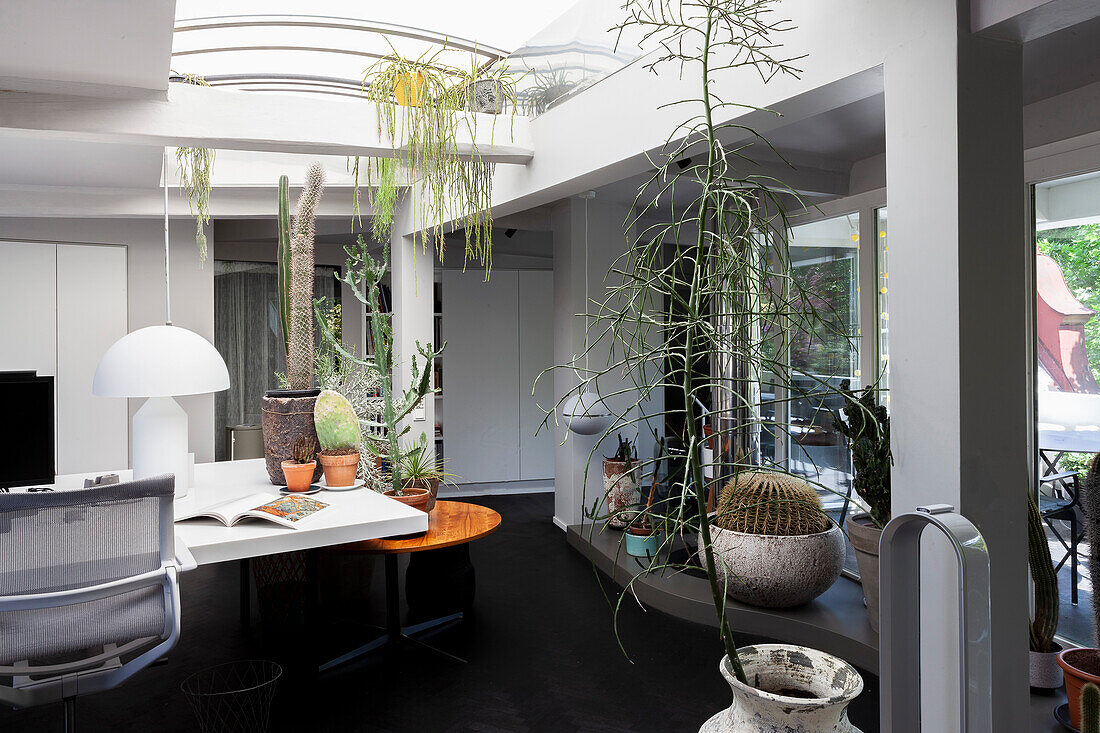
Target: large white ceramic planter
[[832, 682], [773, 571]]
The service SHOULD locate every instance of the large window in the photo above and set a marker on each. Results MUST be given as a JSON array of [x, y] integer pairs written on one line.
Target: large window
[[882, 306], [1067, 336]]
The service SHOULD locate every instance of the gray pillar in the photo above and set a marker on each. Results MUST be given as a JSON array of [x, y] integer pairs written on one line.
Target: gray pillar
[[960, 287]]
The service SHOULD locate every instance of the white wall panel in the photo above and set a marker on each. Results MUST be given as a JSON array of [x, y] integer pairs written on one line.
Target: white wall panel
[[28, 307], [536, 353]]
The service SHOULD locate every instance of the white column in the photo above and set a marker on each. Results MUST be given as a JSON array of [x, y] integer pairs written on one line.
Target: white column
[[958, 362]]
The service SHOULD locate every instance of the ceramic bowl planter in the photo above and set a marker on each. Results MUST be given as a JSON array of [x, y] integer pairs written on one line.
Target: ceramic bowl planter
[[416, 498], [865, 537], [286, 415], [339, 467], [641, 542], [1080, 666], [799, 690], [408, 88], [773, 571], [298, 476], [620, 491], [486, 96], [1043, 671]]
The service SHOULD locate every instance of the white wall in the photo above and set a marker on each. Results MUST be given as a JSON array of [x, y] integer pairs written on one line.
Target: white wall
[[192, 287]]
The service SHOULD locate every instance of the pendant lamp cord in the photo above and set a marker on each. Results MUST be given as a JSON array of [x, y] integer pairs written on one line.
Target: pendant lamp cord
[[167, 264], [586, 372]]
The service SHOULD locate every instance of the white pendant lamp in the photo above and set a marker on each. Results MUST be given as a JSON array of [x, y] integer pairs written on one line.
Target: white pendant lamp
[[160, 362], [585, 413]]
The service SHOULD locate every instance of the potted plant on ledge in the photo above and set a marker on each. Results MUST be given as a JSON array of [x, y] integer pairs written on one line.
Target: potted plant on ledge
[[1044, 672], [339, 435], [298, 469], [620, 483]]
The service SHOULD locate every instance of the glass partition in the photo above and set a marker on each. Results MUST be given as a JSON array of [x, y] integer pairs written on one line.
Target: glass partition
[[882, 309]]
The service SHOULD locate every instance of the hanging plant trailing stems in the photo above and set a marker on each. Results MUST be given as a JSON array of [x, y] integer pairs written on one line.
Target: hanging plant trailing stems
[[425, 139], [711, 281], [194, 166]]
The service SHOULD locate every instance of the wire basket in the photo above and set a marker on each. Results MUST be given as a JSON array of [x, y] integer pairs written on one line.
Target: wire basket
[[234, 697]]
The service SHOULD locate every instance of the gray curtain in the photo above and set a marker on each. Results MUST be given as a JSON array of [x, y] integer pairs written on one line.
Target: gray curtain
[[248, 335]]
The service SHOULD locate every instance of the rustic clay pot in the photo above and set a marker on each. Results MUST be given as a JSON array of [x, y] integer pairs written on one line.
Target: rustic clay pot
[[831, 685], [298, 476], [1076, 678], [773, 571], [286, 415], [339, 470], [1043, 671], [865, 537], [620, 491], [416, 498], [432, 485]]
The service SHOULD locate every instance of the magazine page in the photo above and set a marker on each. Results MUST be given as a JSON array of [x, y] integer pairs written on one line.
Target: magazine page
[[288, 511], [224, 511]]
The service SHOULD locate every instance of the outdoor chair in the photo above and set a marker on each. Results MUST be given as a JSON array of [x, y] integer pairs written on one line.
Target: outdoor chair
[[1063, 505]]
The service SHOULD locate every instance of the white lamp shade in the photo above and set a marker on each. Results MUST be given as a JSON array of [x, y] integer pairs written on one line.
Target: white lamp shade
[[160, 361], [585, 413]]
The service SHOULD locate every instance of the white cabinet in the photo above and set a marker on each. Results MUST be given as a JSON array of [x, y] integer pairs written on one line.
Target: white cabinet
[[62, 306], [499, 337]]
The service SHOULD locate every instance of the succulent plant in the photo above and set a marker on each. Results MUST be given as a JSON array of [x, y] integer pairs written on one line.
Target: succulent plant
[[336, 422], [1090, 507], [282, 257], [1044, 623], [304, 449], [765, 502], [299, 358], [867, 428], [1090, 708]]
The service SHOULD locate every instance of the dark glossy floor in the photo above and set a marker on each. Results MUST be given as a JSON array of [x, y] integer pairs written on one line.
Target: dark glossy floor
[[541, 650]]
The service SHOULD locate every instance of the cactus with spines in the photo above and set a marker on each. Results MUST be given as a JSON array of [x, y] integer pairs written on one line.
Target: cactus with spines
[[282, 257], [1090, 708], [1045, 622], [1090, 507], [303, 449], [336, 422], [770, 503], [299, 360]]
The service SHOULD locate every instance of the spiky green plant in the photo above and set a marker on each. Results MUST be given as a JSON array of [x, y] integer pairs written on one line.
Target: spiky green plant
[[1044, 623], [195, 165], [1090, 507], [282, 259], [722, 264], [303, 449], [299, 359], [363, 274], [867, 428], [1090, 708], [336, 423]]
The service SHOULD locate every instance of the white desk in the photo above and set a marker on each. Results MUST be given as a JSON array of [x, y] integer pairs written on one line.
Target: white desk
[[355, 515]]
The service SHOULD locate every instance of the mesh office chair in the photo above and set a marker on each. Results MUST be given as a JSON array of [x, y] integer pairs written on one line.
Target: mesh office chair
[[89, 590]]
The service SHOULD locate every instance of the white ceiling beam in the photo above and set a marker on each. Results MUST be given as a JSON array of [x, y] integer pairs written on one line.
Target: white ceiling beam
[[195, 116], [1026, 20]]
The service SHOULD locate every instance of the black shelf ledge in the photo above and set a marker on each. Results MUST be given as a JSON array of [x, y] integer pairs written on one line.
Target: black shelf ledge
[[835, 622]]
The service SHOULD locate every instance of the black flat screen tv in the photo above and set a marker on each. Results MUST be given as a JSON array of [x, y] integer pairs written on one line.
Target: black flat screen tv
[[28, 398]]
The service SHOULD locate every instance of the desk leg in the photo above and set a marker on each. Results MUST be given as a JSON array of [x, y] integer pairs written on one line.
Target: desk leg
[[246, 594], [393, 599]]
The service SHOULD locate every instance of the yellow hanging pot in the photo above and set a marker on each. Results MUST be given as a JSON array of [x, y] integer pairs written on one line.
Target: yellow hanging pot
[[408, 88]]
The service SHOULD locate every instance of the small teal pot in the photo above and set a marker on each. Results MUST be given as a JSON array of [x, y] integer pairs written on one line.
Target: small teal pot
[[640, 545]]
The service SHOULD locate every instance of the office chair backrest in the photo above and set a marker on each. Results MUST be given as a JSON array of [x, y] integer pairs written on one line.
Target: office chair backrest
[[68, 540]]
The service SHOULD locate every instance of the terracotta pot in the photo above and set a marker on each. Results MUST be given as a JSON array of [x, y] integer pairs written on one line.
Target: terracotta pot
[[286, 415], [1043, 671], [416, 498], [1073, 662], [865, 537], [298, 476], [432, 485], [774, 571], [620, 489], [825, 686], [339, 470]]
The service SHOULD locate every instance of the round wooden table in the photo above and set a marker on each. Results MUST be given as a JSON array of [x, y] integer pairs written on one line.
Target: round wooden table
[[451, 524]]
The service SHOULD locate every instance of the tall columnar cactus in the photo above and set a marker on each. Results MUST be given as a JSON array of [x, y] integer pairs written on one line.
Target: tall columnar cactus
[[1090, 708], [867, 428], [1045, 623], [336, 422], [1090, 507], [283, 259], [299, 360]]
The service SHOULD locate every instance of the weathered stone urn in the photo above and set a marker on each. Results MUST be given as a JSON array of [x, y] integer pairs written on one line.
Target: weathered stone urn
[[286, 415], [795, 690]]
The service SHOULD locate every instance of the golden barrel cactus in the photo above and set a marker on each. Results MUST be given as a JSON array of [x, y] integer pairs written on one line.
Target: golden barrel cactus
[[770, 503]]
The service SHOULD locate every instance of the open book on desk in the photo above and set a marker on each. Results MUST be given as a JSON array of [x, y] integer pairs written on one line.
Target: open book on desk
[[286, 511]]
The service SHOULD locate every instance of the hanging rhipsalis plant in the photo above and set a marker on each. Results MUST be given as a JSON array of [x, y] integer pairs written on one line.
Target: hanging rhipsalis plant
[[299, 356], [422, 107], [703, 302], [363, 274], [194, 172]]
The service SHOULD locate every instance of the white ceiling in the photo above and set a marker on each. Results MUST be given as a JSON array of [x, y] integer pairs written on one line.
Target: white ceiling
[[43, 162]]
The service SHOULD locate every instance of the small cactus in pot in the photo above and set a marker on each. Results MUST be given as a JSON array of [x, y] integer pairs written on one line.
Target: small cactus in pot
[[298, 470], [340, 437], [620, 483]]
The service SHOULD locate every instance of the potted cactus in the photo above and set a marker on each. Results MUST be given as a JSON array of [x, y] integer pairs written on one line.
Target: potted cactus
[[1089, 721], [1045, 674], [1082, 666], [620, 483], [642, 537], [867, 427], [298, 469], [773, 543], [339, 435], [288, 413]]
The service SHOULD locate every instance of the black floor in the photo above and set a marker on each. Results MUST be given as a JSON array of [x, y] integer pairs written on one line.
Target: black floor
[[541, 650]]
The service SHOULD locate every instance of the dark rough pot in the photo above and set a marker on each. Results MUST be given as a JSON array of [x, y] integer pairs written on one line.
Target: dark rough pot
[[865, 536], [286, 415]]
